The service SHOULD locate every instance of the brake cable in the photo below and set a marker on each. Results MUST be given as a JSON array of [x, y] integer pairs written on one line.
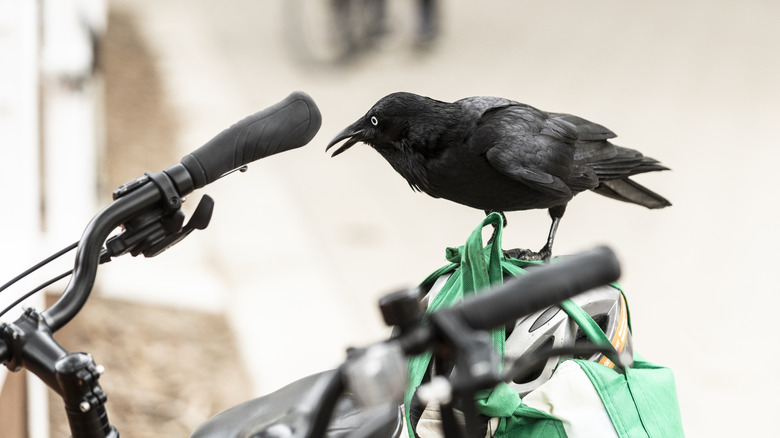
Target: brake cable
[[34, 291], [32, 269], [39, 265]]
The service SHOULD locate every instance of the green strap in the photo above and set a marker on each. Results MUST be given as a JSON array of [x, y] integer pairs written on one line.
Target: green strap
[[586, 323], [474, 268], [481, 266]]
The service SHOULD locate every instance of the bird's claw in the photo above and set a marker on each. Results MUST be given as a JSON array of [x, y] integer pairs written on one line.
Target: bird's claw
[[522, 254], [527, 254]]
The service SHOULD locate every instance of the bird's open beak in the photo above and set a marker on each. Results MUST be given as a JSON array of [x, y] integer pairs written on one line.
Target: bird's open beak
[[352, 133]]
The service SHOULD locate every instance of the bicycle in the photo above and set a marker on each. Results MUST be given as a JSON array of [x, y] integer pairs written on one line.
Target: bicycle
[[149, 211]]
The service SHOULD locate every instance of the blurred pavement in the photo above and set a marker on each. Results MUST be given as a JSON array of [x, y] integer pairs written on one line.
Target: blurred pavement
[[301, 246]]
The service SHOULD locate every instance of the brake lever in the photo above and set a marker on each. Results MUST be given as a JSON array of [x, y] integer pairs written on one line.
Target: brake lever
[[199, 220], [157, 230]]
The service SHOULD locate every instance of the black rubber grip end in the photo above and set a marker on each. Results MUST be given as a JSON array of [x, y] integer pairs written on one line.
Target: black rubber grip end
[[289, 124]]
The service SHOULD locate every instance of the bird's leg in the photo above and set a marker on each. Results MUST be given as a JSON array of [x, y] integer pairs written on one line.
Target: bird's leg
[[556, 213]]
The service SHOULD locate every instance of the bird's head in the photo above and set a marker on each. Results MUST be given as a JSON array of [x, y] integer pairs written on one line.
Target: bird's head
[[397, 120]]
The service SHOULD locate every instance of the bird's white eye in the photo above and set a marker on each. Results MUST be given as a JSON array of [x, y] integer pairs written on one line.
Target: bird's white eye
[[374, 120]]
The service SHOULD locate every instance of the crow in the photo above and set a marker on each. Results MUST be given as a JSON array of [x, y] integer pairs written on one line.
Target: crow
[[498, 155]]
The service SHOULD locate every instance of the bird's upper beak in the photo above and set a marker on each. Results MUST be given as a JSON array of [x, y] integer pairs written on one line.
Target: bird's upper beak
[[352, 133]]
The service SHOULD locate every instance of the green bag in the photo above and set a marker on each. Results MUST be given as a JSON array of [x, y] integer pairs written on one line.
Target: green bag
[[641, 402]]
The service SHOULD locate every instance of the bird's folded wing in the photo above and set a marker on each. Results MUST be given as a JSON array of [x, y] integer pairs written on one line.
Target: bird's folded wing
[[510, 137], [505, 159]]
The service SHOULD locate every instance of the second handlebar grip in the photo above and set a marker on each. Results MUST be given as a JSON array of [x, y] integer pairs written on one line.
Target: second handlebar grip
[[289, 124], [542, 287]]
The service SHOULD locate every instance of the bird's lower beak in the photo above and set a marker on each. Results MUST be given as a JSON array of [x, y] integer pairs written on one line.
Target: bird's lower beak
[[352, 134]]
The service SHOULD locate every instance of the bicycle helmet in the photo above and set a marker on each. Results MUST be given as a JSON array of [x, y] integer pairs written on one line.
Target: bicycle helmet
[[552, 328]]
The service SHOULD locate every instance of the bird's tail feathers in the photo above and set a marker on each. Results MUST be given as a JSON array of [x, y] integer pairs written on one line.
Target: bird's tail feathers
[[625, 165], [629, 191]]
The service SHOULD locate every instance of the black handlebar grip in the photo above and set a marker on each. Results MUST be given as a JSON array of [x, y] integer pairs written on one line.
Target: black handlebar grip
[[289, 124], [540, 288]]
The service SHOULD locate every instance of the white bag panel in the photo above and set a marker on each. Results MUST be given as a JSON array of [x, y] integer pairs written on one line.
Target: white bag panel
[[430, 425], [570, 396]]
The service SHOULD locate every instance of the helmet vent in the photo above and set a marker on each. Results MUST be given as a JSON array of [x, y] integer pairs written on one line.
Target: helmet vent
[[544, 318]]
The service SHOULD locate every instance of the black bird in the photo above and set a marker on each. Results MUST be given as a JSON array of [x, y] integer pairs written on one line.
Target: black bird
[[495, 154]]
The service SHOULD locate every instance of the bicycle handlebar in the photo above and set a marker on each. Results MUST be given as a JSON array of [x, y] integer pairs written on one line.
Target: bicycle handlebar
[[289, 124], [542, 287]]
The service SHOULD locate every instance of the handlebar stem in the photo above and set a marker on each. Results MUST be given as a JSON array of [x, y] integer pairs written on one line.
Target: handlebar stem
[[73, 376], [84, 399], [476, 367], [31, 346]]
